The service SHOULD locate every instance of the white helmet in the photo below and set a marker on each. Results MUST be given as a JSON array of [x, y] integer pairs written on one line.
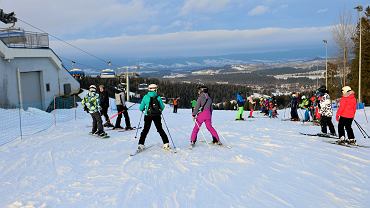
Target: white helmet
[[346, 89], [303, 97], [152, 87], [92, 88]]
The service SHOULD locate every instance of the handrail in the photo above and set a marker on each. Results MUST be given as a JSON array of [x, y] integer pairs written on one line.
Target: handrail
[[16, 38]]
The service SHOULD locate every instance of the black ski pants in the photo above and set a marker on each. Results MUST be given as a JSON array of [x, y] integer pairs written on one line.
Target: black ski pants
[[175, 108], [104, 112], [326, 122], [122, 110], [294, 113], [345, 123], [97, 122], [158, 124]]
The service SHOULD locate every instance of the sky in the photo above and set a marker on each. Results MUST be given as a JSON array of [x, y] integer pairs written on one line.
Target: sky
[[161, 28]]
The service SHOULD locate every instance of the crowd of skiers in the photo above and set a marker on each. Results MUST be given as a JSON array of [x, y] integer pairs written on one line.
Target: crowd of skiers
[[318, 107]]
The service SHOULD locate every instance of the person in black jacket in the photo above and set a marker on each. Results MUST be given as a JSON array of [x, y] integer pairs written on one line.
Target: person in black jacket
[[104, 103], [294, 108]]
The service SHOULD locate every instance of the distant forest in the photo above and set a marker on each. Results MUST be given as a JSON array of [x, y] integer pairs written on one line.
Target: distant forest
[[221, 93]]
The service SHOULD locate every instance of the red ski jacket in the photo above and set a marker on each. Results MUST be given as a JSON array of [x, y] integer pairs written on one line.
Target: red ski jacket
[[347, 107]]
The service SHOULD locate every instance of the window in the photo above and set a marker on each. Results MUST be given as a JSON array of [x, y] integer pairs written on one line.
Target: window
[[47, 87]]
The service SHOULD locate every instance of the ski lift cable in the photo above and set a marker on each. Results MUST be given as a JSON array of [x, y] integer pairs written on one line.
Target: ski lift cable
[[78, 63], [76, 47]]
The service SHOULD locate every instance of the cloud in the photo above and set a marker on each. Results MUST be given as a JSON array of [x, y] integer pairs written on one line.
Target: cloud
[[74, 16], [258, 10], [194, 43], [322, 10], [207, 6]]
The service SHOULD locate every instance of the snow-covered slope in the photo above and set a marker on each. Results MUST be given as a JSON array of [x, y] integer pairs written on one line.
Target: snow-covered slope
[[270, 165]]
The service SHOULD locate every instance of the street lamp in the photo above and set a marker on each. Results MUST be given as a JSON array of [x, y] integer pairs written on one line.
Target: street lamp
[[326, 62], [359, 10]]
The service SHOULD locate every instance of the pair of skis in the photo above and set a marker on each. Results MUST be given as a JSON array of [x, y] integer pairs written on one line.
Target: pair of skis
[[337, 142], [150, 146]]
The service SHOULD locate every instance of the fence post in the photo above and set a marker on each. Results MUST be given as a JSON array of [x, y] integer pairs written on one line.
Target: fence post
[[55, 120], [20, 102], [74, 103]]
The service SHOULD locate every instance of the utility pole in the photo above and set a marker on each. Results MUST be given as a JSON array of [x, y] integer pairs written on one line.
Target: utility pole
[[127, 85]]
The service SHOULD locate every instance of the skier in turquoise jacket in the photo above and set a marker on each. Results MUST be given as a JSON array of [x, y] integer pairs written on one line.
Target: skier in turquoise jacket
[[152, 107]]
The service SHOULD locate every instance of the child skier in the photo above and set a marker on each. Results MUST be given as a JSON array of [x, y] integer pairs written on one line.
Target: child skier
[[251, 106], [91, 104], [304, 105], [326, 112], [203, 113], [121, 108], [346, 114], [153, 106], [240, 101]]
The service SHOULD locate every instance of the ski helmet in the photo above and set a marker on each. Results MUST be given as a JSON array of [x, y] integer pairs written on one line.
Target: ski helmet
[[303, 97], [152, 87], [346, 89], [92, 88]]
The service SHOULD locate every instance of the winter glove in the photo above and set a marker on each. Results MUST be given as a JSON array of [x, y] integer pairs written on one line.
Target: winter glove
[[86, 109]]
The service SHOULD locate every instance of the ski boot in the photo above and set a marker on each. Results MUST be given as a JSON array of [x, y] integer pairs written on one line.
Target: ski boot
[[216, 141], [352, 141], [166, 146], [117, 127], [129, 128], [342, 140], [140, 148]]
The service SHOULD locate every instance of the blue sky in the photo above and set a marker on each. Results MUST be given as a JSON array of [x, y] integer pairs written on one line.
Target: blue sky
[[142, 28]]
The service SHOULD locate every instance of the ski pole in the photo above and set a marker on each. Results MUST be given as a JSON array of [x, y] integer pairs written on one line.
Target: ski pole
[[115, 115], [362, 130], [165, 123], [201, 131], [367, 121], [137, 129]]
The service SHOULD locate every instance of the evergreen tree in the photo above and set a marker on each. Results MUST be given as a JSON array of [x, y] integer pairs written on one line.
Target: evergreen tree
[[365, 66]]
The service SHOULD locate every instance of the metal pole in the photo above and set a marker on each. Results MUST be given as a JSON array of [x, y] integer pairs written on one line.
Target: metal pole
[[359, 64], [20, 102], [326, 63], [127, 86]]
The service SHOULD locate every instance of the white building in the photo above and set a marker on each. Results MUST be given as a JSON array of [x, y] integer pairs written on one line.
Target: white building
[[31, 74]]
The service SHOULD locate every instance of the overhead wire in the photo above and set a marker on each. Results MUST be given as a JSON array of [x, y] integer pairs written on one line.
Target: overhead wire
[[65, 42]]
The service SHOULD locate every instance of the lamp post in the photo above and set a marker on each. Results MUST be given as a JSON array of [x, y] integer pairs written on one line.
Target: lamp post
[[127, 85], [359, 10], [326, 62]]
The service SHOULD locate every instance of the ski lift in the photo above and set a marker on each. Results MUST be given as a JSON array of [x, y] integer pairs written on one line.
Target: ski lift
[[143, 86]]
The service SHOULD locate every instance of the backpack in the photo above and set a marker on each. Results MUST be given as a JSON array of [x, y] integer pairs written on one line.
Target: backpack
[[154, 108]]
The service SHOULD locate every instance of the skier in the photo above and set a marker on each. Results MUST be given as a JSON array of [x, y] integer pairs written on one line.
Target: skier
[[294, 105], [326, 111], [251, 106], [203, 113], [104, 103], [121, 108], [240, 101], [175, 104], [193, 104], [91, 104], [345, 115], [304, 105], [153, 106]]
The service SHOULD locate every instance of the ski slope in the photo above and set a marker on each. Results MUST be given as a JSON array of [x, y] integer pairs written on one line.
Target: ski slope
[[270, 165]]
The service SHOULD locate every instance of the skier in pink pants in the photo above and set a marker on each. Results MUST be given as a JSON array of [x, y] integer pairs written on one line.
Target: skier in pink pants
[[203, 113]]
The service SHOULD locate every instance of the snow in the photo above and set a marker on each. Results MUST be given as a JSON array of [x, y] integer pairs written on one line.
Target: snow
[[270, 165]]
